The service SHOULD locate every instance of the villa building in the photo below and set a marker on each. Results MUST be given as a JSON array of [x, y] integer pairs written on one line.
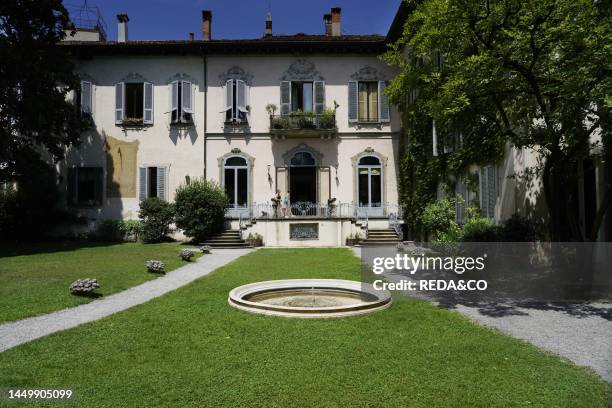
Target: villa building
[[304, 115]]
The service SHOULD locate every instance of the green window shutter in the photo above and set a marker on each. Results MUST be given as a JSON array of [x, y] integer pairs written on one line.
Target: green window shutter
[[383, 102], [162, 181], [353, 102], [319, 97], [285, 97], [142, 183]]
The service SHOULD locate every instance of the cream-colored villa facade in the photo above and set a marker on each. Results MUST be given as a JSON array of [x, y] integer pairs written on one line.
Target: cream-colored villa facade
[[302, 115]]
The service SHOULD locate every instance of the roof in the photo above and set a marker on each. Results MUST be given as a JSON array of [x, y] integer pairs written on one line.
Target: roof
[[397, 26], [276, 44]]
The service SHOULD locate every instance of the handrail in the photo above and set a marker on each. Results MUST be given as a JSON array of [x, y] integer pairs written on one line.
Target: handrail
[[395, 225]]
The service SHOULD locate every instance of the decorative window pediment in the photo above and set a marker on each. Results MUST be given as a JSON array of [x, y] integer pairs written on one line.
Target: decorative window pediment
[[133, 77], [368, 73], [182, 76], [302, 70], [315, 154], [236, 72]]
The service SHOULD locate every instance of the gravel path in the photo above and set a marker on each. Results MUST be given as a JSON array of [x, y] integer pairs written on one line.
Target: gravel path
[[580, 332], [22, 331]]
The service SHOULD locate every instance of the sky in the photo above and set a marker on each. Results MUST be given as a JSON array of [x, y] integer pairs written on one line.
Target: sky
[[174, 19]]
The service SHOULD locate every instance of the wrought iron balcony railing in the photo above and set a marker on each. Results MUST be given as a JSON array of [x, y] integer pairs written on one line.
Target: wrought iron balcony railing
[[303, 122]]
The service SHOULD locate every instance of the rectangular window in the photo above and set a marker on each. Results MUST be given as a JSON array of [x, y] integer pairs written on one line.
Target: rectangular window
[[85, 186], [236, 101], [134, 96], [301, 96], [153, 182], [368, 101], [85, 98], [182, 102]]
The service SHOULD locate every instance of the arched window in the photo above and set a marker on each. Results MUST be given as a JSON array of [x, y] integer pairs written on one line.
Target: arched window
[[236, 180], [369, 182], [302, 159]]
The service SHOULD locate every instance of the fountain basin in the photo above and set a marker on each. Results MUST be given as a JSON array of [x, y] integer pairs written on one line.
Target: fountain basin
[[309, 298]]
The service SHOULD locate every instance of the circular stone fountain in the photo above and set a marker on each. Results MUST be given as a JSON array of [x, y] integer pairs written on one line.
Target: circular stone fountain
[[309, 298]]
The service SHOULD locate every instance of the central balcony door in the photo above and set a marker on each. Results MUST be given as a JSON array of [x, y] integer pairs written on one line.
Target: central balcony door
[[370, 186], [236, 183], [303, 184]]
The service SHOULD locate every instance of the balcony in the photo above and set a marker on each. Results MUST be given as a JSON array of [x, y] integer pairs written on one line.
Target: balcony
[[304, 124]]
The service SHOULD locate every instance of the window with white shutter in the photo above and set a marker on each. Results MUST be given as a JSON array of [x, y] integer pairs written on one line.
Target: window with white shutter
[[383, 103], [285, 95], [148, 103], [181, 102], [319, 97], [119, 102], [236, 100], [153, 182]]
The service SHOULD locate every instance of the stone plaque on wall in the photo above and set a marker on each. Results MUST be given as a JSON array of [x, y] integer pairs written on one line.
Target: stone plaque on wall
[[304, 231]]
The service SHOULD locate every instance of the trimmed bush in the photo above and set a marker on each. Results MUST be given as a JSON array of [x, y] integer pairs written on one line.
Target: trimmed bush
[[479, 229], [156, 216], [438, 218], [117, 231], [200, 208], [155, 266], [84, 287], [186, 254], [205, 249]]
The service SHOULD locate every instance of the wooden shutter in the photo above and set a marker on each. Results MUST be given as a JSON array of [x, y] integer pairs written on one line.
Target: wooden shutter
[[71, 186], [119, 102], [174, 101], [319, 97], [353, 102], [229, 95], [162, 182], [86, 97], [187, 102], [383, 102], [241, 96], [147, 114], [434, 138], [142, 183], [285, 97], [487, 191]]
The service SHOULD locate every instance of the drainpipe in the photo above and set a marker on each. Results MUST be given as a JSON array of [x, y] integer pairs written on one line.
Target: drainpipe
[[205, 69]]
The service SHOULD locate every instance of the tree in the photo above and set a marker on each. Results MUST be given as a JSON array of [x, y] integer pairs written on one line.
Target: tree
[[36, 76], [532, 73]]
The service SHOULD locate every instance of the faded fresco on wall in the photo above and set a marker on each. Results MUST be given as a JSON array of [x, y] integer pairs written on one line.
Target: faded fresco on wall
[[121, 168]]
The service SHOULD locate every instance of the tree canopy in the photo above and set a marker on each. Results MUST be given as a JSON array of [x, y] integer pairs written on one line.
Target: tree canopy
[[35, 78], [530, 73]]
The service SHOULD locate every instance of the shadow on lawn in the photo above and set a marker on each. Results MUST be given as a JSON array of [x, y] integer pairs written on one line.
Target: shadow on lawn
[[8, 249]]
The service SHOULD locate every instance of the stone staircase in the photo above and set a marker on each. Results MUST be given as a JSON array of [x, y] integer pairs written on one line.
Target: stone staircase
[[381, 237], [227, 239]]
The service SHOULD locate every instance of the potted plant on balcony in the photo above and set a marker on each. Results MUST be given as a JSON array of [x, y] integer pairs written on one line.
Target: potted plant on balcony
[[327, 120], [132, 122]]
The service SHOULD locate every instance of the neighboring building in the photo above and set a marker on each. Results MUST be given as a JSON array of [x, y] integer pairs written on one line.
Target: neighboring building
[[502, 189], [304, 114]]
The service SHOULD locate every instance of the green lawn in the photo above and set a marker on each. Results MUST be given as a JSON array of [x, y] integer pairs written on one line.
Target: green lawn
[[190, 349], [34, 279]]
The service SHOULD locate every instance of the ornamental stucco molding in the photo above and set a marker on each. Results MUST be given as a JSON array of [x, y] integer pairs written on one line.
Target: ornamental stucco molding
[[302, 70], [236, 72], [318, 156], [368, 73], [132, 77], [182, 76]]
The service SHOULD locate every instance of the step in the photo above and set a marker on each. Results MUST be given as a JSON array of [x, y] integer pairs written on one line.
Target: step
[[236, 245]]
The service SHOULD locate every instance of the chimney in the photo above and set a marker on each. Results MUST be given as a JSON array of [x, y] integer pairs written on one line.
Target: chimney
[[206, 24], [268, 25], [335, 21], [191, 36], [122, 28], [327, 21]]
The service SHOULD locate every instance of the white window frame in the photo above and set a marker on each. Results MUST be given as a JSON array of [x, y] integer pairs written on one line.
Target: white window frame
[[369, 168], [235, 116], [180, 106], [235, 168]]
